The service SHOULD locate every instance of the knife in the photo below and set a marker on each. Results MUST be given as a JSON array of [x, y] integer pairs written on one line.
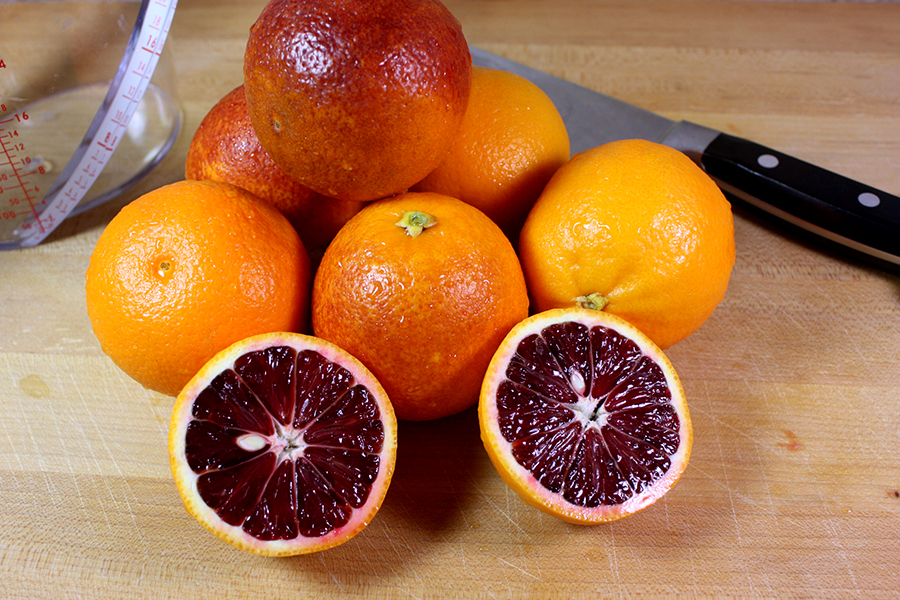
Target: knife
[[834, 208]]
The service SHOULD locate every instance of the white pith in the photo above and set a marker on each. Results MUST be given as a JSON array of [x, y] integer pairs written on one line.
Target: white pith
[[286, 443], [586, 410], [523, 481]]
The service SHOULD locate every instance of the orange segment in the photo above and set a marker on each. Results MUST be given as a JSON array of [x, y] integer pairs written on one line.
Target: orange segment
[[584, 417], [283, 444]]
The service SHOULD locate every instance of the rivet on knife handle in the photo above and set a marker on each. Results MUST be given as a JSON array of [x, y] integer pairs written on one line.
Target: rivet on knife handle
[[833, 207], [822, 202]]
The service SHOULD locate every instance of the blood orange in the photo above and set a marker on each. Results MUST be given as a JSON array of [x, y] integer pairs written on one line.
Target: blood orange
[[283, 444], [421, 288], [357, 100], [583, 416]]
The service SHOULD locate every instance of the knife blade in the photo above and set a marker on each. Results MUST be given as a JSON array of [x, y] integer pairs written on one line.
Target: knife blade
[[834, 208]]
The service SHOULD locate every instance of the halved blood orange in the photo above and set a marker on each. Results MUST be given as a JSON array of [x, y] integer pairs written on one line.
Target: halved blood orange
[[283, 444], [583, 416]]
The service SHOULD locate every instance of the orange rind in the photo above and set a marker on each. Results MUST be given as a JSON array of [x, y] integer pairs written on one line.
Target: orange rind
[[584, 417], [283, 444]]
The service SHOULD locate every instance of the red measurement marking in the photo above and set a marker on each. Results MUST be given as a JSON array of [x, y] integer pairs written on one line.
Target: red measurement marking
[[119, 118], [59, 207], [19, 176]]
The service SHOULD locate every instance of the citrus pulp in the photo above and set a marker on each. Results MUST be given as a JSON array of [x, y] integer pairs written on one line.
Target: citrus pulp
[[283, 444], [583, 416]]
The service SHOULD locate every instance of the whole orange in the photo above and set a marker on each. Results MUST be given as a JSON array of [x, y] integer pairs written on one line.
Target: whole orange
[[421, 288], [636, 229], [188, 269], [225, 148], [511, 141], [357, 100]]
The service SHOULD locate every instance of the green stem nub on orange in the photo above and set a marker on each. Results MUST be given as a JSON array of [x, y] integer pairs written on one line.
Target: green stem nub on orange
[[593, 301], [414, 222]]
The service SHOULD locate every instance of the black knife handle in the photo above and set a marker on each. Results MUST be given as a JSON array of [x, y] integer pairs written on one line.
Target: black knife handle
[[838, 208]]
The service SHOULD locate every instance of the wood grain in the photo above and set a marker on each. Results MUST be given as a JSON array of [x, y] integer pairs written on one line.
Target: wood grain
[[793, 489]]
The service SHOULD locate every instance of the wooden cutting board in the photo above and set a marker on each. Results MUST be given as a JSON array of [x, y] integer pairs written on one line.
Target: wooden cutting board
[[793, 489]]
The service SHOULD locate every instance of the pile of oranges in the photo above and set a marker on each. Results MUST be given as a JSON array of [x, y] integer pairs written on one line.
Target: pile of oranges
[[368, 186]]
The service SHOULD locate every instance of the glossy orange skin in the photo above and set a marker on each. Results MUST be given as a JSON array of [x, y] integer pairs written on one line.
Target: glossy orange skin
[[188, 269], [511, 141], [426, 313], [640, 224], [357, 100], [225, 147]]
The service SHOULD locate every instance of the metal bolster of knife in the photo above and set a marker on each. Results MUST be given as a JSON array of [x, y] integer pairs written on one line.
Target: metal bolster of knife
[[690, 138], [808, 197], [855, 215]]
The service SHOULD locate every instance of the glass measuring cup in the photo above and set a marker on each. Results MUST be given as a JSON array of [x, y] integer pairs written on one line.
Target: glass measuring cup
[[87, 107]]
